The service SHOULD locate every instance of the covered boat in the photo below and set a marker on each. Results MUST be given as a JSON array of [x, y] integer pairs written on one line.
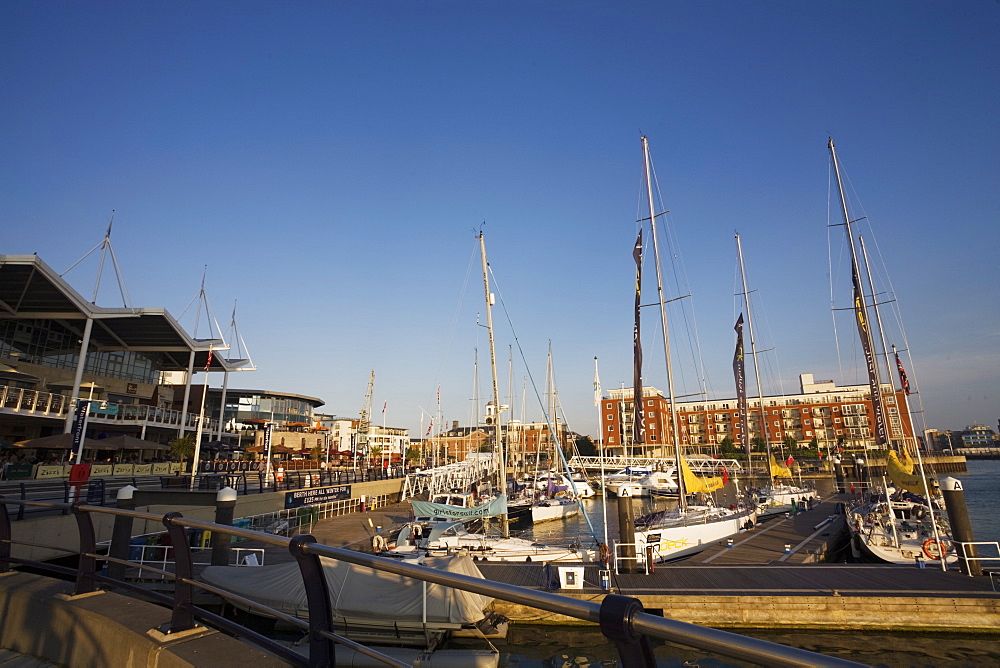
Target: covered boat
[[369, 605]]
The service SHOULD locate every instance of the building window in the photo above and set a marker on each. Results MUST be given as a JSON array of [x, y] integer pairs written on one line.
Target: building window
[[611, 427]]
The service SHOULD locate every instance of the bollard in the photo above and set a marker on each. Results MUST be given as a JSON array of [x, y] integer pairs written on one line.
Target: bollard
[[961, 526], [838, 470], [225, 509], [626, 528], [121, 533]]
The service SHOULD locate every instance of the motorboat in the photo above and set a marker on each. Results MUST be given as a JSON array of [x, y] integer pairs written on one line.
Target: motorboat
[[779, 498], [630, 474]]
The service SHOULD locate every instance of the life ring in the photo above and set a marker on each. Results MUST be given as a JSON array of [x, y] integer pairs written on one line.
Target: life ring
[[378, 542], [603, 554], [931, 546]]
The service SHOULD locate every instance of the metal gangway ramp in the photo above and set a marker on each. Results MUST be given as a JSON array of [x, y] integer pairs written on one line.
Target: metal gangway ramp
[[704, 465], [477, 467]]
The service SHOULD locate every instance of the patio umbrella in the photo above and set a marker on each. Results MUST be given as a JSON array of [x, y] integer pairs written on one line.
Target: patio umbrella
[[58, 442], [129, 443]]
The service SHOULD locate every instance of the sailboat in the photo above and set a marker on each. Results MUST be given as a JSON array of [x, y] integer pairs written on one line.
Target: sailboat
[[775, 497], [691, 527], [892, 525], [557, 497]]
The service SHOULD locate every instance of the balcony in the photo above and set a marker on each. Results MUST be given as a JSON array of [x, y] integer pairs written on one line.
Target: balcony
[[34, 403]]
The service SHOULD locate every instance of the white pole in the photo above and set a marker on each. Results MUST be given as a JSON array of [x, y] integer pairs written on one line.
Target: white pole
[[604, 491], [201, 421]]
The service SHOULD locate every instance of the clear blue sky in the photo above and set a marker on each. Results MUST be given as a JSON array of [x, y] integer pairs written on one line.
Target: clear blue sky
[[330, 162]]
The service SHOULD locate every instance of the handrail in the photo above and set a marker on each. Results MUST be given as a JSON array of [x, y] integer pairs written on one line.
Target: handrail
[[621, 618]]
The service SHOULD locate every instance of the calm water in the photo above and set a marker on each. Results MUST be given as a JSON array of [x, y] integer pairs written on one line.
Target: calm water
[[543, 647]]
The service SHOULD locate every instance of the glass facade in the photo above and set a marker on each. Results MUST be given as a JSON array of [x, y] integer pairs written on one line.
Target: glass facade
[[52, 344]]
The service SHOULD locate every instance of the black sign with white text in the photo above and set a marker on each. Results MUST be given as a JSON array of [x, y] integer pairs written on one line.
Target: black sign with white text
[[316, 496]]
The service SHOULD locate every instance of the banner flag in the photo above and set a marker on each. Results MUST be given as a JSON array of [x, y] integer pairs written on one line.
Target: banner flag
[[741, 386], [637, 435], [860, 315]]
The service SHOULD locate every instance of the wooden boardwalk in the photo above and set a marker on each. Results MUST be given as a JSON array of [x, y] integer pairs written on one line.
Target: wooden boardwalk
[[806, 537]]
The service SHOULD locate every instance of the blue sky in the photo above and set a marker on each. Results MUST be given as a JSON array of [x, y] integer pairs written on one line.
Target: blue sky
[[331, 162]]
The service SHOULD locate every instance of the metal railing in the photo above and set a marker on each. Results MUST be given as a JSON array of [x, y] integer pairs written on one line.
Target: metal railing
[[49, 404], [969, 553], [621, 618]]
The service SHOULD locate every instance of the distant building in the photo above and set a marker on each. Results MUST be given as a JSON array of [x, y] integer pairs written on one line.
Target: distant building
[[821, 411]]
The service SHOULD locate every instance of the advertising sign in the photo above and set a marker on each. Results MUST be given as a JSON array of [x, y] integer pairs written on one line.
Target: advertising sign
[[316, 496]]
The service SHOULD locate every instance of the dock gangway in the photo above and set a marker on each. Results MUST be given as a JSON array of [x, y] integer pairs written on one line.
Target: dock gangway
[[703, 465], [477, 468]]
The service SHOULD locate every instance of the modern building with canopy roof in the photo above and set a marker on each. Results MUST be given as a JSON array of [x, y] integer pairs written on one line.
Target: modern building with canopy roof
[[57, 347]]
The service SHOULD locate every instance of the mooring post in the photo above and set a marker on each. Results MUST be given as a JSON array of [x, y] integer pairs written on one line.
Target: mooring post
[[961, 526], [626, 529]]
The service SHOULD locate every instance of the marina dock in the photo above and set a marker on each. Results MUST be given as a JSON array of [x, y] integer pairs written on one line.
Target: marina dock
[[771, 577]]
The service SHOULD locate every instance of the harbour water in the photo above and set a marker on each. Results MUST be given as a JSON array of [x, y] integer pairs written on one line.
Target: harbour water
[[982, 495], [557, 647]]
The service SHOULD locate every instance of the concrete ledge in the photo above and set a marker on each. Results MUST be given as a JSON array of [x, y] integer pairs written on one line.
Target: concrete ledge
[[106, 630], [884, 613]]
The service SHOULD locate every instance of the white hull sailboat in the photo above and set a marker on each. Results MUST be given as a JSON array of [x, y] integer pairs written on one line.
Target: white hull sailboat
[[682, 533], [689, 528], [889, 528], [442, 537], [906, 536]]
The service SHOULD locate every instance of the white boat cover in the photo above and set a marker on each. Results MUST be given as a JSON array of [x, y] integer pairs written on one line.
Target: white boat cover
[[357, 591]]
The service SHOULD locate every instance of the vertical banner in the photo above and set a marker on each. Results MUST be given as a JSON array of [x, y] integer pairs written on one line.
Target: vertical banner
[[860, 314], [79, 426], [739, 373], [637, 435], [267, 439]]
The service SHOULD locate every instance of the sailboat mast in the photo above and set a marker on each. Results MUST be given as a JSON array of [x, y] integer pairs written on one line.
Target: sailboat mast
[[753, 353], [861, 312], [497, 426], [674, 431]]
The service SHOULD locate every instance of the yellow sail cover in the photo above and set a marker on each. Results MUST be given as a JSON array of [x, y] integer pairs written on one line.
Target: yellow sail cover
[[779, 470], [901, 472], [694, 484]]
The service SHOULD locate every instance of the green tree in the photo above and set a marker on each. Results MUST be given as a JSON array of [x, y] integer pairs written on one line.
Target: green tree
[[727, 447], [412, 455], [182, 447], [316, 452], [758, 444], [374, 452], [791, 443], [585, 446]]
